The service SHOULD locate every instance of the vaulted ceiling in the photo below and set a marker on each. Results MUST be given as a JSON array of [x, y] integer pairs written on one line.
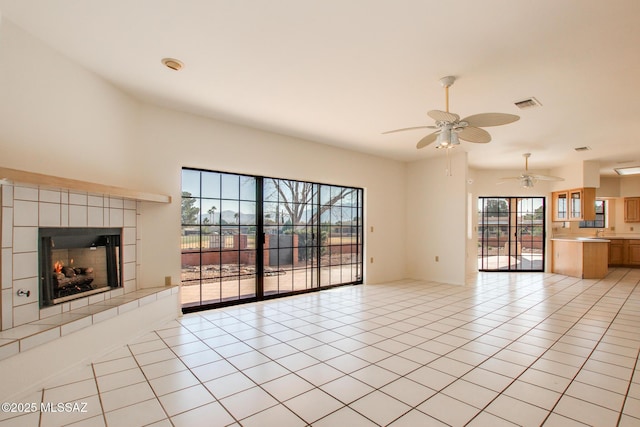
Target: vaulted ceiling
[[341, 72]]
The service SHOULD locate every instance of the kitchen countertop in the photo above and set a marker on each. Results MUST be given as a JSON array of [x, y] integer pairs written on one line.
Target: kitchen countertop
[[582, 239], [608, 237]]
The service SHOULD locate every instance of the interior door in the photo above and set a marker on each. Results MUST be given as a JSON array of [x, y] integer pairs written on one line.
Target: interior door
[[511, 232]]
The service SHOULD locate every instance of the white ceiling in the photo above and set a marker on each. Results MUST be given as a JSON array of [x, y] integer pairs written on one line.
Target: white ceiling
[[341, 72]]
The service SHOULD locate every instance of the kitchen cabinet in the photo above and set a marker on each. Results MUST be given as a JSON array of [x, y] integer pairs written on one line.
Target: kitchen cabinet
[[578, 204], [632, 209], [560, 206], [624, 252], [617, 251], [586, 259], [634, 252]]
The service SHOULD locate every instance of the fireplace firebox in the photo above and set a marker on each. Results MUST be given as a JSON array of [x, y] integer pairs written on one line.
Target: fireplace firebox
[[78, 262]]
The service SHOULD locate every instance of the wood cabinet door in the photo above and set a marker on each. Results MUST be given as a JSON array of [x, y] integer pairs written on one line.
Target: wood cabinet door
[[575, 205], [616, 252], [560, 206], [632, 209], [634, 252]]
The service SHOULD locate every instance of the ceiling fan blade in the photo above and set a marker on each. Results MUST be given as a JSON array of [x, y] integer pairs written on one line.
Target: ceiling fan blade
[[546, 177], [512, 177], [490, 119], [427, 140], [411, 128], [443, 116], [474, 134]]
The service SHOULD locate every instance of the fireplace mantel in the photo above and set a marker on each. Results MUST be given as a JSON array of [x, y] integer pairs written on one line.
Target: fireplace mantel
[[49, 181]]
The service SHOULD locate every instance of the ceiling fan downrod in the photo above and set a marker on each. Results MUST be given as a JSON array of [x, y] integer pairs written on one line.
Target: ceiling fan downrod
[[526, 161], [447, 82]]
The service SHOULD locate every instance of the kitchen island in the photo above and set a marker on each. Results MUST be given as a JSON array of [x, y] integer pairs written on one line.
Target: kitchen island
[[583, 257]]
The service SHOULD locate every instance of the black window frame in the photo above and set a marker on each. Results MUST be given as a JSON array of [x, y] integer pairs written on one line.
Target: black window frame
[[357, 267]]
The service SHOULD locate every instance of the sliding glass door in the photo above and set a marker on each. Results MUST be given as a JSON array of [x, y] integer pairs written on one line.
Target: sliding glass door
[[247, 238], [511, 233], [218, 242], [290, 230]]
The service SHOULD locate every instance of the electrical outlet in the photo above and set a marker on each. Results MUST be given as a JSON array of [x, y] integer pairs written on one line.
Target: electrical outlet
[[371, 260], [437, 258], [372, 228], [167, 280]]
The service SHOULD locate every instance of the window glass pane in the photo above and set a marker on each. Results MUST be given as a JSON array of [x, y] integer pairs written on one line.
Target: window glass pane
[[190, 209], [285, 218], [230, 186], [286, 191], [210, 211], [270, 210], [302, 214], [270, 229], [247, 188], [337, 194], [211, 185], [250, 233], [325, 194], [230, 212], [191, 182], [247, 213], [325, 216], [336, 215], [190, 238], [269, 190], [210, 240]]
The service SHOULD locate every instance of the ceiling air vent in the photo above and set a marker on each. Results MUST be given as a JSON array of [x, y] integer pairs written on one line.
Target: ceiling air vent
[[528, 103], [582, 148]]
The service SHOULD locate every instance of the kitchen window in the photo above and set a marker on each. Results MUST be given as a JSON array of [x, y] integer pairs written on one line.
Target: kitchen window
[[601, 218]]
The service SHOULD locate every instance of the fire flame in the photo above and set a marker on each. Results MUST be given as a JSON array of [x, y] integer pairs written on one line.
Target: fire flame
[[57, 266]]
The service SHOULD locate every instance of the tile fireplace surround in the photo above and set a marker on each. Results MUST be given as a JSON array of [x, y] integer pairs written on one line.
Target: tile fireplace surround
[[24, 210], [24, 326]]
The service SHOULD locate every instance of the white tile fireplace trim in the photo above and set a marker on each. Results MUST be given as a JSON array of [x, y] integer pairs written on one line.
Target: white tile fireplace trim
[[26, 208], [28, 336]]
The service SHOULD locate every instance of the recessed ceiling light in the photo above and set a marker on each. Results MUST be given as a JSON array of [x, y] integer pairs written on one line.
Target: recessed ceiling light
[[635, 170], [172, 63]]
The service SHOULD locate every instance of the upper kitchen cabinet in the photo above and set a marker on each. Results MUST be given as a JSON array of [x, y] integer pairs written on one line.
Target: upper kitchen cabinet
[[560, 206], [574, 205], [632, 209]]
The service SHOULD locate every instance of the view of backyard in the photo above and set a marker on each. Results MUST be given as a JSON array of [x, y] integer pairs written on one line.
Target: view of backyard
[[511, 233], [307, 236]]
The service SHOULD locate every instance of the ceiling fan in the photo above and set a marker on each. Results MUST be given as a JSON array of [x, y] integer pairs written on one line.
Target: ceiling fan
[[450, 129], [527, 180]]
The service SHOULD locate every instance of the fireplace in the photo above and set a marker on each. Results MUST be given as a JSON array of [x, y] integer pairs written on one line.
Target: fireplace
[[78, 262]]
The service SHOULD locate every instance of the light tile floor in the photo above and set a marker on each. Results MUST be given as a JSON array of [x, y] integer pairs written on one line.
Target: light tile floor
[[506, 349]]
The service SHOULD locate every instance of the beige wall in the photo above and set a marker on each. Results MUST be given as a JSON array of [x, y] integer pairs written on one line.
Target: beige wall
[[436, 219], [57, 118]]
